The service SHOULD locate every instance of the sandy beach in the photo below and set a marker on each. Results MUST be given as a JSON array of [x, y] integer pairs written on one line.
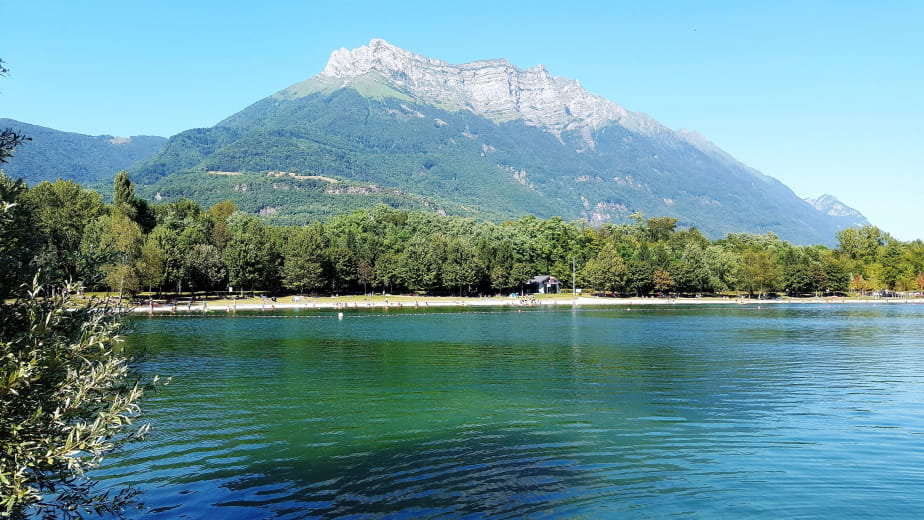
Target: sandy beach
[[379, 302]]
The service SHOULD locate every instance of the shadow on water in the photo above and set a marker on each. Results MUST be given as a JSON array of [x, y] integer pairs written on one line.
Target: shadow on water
[[491, 473]]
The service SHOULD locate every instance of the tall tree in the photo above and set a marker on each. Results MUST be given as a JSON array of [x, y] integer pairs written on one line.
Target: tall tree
[[118, 239], [123, 195], [897, 266], [63, 210], [663, 281], [758, 271], [721, 266], [124, 202], [860, 244], [607, 271], [836, 272], [250, 256], [161, 250], [218, 217], [303, 258], [150, 265], [660, 228], [460, 270], [420, 264], [205, 267]]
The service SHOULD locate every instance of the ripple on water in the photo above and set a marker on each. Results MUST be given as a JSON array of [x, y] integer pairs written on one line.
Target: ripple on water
[[801, 411]]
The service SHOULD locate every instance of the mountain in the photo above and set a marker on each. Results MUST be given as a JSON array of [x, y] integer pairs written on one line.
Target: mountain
[[829, 205], [484, 139], [53, 154]]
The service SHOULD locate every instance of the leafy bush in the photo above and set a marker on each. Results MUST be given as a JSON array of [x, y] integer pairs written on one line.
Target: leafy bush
[[66, 395]]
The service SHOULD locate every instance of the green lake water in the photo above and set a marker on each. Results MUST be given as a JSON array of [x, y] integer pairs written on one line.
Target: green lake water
[[784, 411]]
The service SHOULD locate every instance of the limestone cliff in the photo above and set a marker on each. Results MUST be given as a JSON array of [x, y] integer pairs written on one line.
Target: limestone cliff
[[493, 88]]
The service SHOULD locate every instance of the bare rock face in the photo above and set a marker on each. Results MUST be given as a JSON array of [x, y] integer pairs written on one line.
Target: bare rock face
[[493, 88], [829, 205]]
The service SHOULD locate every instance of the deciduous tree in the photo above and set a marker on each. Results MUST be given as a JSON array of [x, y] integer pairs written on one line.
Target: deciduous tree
[[250, 256], [303, 258], [114, 243], [204, 267], [758, 271], [65, 396], [63, 210], [606, 271], [18, 241], [663, 281]]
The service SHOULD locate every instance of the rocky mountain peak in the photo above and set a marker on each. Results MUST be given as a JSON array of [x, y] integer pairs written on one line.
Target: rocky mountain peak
[[379, 56], [830, 205], [493, 88]]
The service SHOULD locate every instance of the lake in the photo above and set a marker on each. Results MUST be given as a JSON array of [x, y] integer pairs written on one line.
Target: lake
[[699, 411]]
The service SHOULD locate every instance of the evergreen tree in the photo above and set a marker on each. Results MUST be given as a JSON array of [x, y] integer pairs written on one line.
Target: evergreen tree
[[123, 195]]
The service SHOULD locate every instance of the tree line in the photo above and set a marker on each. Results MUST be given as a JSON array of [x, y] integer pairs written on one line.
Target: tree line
[[130, 246]]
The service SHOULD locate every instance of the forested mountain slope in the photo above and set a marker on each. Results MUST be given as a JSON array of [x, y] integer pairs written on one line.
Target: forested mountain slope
[[53, 154], [483, 139]]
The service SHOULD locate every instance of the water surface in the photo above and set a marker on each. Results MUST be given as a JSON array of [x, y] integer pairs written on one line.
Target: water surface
[[798, 411]]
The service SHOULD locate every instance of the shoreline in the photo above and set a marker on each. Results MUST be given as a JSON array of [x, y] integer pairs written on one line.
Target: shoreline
[[406, 302]]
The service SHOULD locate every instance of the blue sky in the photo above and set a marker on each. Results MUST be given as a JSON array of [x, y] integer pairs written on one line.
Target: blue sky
[[826, 96]]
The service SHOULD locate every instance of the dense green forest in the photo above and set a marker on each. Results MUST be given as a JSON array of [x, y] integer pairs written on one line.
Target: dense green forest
[[132, 246]]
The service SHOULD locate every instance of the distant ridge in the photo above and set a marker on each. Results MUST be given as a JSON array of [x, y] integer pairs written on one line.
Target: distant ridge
[[53, 154]]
